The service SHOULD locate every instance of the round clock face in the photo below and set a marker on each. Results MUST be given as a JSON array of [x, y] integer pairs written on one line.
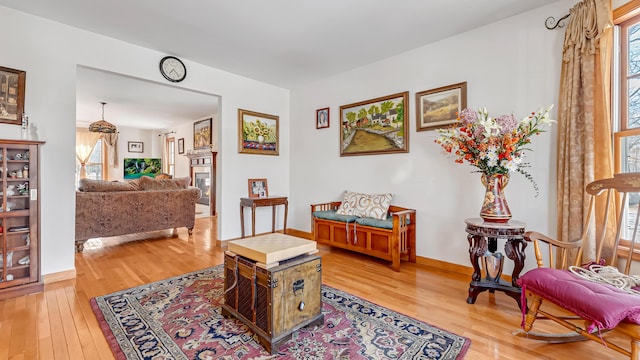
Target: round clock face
[[173, 69]]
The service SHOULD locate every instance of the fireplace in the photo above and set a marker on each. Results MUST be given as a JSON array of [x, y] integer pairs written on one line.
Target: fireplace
[[203, 182]]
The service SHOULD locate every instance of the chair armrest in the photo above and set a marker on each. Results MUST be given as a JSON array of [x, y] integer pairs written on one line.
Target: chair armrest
[[333, 205], [536, 236]]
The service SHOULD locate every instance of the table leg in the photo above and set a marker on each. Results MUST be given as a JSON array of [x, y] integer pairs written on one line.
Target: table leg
[[286, 209], [253, 220], [273, 218], [477, 248], [514, 249], [242, 220]]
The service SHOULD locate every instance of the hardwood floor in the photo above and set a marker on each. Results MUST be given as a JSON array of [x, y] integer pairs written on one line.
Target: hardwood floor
[[59, 323]]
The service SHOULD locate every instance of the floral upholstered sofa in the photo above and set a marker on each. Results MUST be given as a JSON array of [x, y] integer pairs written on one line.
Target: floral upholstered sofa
[[112, 208]]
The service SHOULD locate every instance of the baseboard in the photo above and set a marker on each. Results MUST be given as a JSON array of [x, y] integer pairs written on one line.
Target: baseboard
[[59, 276]]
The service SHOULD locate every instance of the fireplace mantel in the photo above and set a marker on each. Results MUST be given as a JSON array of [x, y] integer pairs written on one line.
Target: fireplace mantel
[[204, 162]]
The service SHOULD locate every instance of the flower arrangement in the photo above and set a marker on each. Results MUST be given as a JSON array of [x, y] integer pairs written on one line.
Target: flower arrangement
[[493, 145]]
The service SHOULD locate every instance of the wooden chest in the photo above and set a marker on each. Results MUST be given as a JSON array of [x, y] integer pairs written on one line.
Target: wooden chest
[[273, 302]]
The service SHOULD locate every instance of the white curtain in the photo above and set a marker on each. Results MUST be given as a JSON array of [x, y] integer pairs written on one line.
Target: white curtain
[[85, 141]]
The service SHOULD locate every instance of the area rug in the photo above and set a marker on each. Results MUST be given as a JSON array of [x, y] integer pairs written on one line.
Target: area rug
[[180, 318]]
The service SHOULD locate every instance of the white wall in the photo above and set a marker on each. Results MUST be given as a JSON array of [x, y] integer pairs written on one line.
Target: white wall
[[49, 52], [512, 66]]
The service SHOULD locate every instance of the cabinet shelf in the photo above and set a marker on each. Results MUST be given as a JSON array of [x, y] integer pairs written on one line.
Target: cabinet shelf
[[26, 279]]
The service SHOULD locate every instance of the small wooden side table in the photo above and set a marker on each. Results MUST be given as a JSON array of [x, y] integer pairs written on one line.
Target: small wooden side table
[[253, 203], [483, 239]]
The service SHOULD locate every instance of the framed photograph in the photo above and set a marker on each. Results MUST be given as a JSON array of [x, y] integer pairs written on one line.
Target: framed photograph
[[181, 146], [257, 133], [258, 188], [322, 118], [377, 126], [202, 134], [136, 146], [438, 108], [12, 84]]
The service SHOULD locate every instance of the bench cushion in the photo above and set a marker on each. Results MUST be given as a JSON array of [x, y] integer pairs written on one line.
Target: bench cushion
[[603, 304], [332, 215]]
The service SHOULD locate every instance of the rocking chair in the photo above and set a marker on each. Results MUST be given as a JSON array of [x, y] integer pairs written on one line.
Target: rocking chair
[[597, 307]]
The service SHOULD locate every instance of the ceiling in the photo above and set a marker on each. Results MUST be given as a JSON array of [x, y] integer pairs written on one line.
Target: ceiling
[[281, 42]]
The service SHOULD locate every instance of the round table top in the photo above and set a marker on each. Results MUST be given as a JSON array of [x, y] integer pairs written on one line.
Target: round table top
[[510, 225]]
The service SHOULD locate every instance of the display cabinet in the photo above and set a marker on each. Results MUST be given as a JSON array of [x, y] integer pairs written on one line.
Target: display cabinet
[[19, 218]]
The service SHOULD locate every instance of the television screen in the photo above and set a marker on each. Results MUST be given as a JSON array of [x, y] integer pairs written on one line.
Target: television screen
[[137, 167]]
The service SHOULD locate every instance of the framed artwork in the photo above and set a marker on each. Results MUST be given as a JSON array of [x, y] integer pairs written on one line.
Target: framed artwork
[[257, 133], [202, 134], [136, 146], [181, 146], [438, 108], [377, 126], [258, 188], [322, 118], [12, 84]]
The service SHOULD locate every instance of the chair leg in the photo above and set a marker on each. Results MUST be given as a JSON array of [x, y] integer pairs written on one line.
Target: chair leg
[[533, 304], [635, 349]]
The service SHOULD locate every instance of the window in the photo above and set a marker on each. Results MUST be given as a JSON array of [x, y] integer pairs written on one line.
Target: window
[[93, 167], [626, 96], [171, 156]]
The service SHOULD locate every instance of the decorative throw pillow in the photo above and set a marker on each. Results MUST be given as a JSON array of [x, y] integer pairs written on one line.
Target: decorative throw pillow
[[349, 204], [90, 185], [375, 206]]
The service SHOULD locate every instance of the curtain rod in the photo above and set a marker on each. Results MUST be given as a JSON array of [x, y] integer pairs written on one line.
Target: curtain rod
[[551, 22]]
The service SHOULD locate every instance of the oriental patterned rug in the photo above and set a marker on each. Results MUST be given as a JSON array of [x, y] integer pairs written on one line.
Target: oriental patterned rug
[[179, 318]]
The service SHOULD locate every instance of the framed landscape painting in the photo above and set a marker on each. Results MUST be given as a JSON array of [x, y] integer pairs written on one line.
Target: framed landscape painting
[[438, 108], [202, 134], [257, 133], [377, 126]]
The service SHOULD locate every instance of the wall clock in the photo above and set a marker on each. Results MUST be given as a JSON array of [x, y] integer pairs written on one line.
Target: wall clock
[[173, 69]]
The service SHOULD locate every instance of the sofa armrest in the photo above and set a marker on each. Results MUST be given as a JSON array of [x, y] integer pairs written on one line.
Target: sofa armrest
[[333, 205]]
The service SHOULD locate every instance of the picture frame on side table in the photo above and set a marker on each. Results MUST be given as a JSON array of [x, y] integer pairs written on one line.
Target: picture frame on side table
[[181, 146], [322, 118], [202, 134], [257, 133], [376, 126], [12, 83], [258, 188], [135, 146], [438, 108]]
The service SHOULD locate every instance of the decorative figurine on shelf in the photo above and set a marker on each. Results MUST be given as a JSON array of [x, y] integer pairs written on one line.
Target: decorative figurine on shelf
[[33, 131], [13, 174], [11, 190], [25, 171], [23, 188]]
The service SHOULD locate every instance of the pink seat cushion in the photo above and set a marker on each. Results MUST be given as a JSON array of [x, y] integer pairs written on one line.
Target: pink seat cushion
[[603, 304]]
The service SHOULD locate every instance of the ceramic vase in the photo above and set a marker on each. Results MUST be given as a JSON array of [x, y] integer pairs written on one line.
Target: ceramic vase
[[494, 206]]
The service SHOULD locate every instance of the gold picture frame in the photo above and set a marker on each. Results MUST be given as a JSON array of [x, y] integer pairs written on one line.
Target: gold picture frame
[[438, 108], [258, 133], [377, 126], [12, 83]]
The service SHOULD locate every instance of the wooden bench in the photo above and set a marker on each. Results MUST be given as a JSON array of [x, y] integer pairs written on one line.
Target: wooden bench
[[393, 239]]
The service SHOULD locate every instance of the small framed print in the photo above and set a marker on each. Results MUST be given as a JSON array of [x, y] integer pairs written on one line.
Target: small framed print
[[181, 146], [136, 146], [322, 118], [258, 188], [12, 84], [438, 108]]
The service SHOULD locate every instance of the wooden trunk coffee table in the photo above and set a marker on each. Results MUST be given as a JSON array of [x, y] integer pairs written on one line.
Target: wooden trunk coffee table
[[272, 284]]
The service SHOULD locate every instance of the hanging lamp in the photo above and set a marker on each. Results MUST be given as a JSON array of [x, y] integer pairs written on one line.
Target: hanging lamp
[[102, 126]]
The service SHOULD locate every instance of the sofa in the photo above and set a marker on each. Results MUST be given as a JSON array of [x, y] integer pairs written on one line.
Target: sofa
[[112, 208], [367, 224]]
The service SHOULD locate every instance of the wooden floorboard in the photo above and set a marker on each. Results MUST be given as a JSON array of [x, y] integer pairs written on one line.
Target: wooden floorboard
[[59, 323]]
